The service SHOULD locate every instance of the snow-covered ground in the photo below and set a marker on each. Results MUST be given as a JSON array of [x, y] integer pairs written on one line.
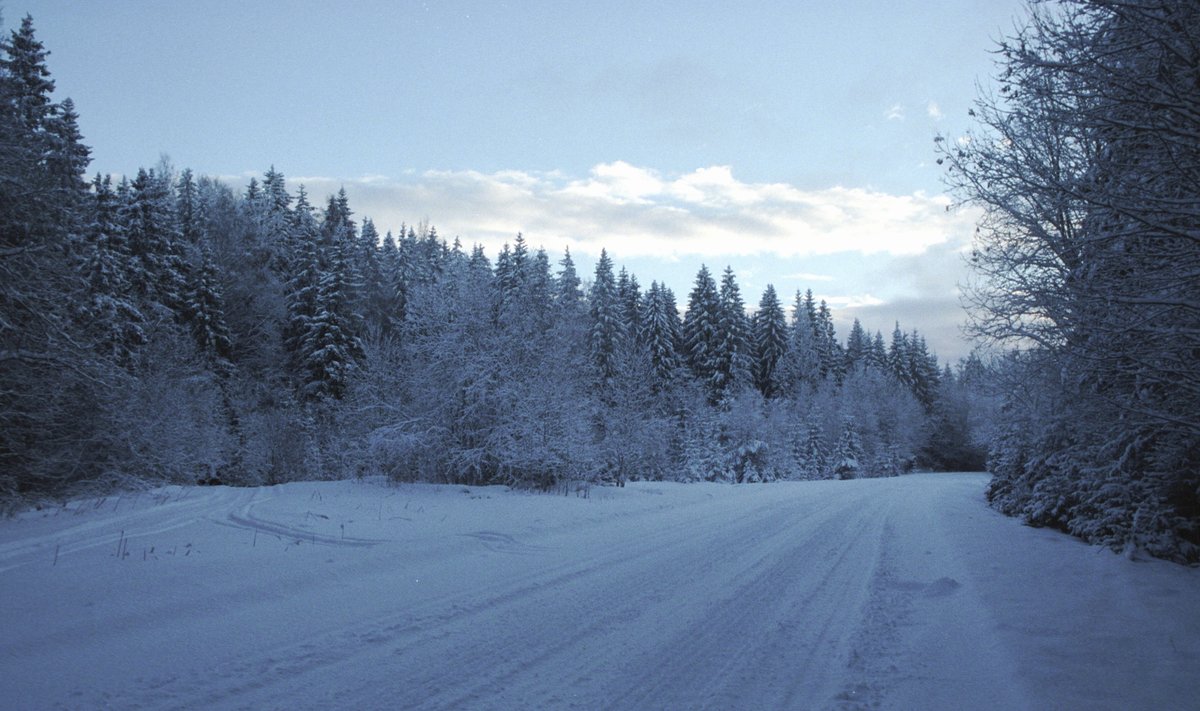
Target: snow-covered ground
[[904, 593]]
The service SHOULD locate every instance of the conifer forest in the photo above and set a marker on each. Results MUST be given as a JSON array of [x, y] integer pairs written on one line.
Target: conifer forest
[[168, 327]]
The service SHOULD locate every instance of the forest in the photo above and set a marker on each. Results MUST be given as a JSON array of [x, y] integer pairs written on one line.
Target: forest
[[169, 327]]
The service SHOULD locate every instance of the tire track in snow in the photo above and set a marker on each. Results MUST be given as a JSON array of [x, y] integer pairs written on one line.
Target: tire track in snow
[[247, 521], [105, 529], [518, 679], [233, 683], [757, 643]]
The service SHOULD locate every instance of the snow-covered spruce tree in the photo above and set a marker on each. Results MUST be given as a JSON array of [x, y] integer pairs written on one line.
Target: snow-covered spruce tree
[[770, 336], [187, 206], [847, 461], [330, 346], [858, 346], [659, 333], [829, 351], [109, 313], [744, 432], [703, 457], [206, 313], [629, 293], [50, 376], [568, 290], [701, 334], [303, 283], [809, 450], [800, 368], [1087, 167], [733, 338], [148, 218], [607, 325]]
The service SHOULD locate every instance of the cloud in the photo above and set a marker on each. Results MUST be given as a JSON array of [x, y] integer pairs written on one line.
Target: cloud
[[877, 256], [934, 111], [853, 301], [808, 276], [895, 112], [640, 212], [938, 320]]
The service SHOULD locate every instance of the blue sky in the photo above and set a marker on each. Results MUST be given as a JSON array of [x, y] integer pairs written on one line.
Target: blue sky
[[792, 140]]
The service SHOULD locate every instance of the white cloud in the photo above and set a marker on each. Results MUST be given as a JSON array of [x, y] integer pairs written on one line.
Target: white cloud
[[895, 112], [808, 276], [879, 256], [934, 111], [617, 182], [639, 212], [851, 301]]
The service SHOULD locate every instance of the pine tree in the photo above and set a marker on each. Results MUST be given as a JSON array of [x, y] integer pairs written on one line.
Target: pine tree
[[303, 283], [829, 351], [608, 327], [848, 458], [186, 207], [336, 224], [148, 219], [877, 355], [28, 81], [568, 294], [733, 329], [701, 334], [394, 293], [659, 333], [809, 451], [52, 385], [629, 294], [206, 314], [331, 349], [109, 313], [67, 158], [538, 293], [770, 343], [897, 356], [922, 370], [858, 346], [801, 366]]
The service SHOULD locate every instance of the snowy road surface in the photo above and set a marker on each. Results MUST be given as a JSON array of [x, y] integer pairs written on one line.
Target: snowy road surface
[[904, 593]]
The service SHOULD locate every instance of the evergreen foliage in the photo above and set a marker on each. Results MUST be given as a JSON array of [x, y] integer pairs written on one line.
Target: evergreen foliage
[[175, 328]]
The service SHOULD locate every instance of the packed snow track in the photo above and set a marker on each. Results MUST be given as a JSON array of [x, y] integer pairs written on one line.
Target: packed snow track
[[899, 593]]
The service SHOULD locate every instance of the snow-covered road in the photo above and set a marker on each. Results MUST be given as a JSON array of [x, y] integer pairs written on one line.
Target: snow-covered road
[[901, 593]]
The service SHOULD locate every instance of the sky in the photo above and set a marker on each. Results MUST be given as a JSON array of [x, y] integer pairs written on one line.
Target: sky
[[791, 141]]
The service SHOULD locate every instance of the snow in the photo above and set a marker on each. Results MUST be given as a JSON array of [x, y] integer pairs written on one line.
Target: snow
[[894, 593]]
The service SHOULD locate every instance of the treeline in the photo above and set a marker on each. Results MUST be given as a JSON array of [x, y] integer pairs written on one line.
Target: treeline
[[167, 328], [1087, 167]]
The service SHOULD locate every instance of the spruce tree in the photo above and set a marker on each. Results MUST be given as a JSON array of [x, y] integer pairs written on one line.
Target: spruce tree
[[770, 343], [109, 312], [27, 78], [809, 450], [66, 157], [848, 457], [206, 314], [331, 350], [829, 351], [629, 294], [658, 332], [858, 346], [733, 327], [568, 293], [607, 327], [148, 218], [701, 333]]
